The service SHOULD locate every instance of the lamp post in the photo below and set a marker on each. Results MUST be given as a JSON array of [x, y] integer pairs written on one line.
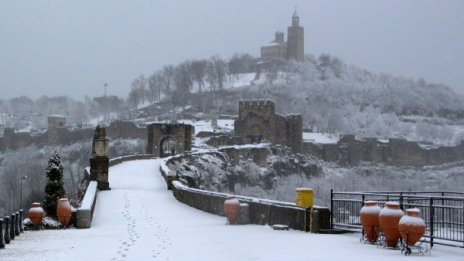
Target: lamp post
[[21, 192]]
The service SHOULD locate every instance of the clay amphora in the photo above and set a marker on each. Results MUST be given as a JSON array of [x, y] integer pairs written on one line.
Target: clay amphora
[[36, 214], [411, 226], [369, 216], [389, 217], [64, 211], [232, 209]]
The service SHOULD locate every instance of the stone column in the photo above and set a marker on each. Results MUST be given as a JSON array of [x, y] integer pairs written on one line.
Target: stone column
[[12, 227], [2, 242], [17, 230], [99, 163], [7, 232], [21, 226]]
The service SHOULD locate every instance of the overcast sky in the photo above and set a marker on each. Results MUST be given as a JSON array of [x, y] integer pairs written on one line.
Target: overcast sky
[[68, 47]]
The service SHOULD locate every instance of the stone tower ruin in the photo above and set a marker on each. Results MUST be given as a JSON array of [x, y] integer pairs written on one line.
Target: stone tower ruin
[[258, 120]]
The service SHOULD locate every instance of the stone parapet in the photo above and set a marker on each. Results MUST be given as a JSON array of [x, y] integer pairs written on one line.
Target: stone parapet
[[84, 213]]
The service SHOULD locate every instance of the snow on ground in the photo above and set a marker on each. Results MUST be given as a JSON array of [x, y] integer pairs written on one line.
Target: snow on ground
[[226, 124], [205, 125], [321, 138], [138, 219]]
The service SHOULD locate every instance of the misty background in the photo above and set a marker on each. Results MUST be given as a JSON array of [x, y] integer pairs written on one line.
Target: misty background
[[74, 47]]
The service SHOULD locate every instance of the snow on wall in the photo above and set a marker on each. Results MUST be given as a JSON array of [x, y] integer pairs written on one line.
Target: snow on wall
[[84, 213]]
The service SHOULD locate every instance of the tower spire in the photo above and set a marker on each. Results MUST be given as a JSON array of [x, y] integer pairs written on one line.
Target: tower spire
[[295, 18]]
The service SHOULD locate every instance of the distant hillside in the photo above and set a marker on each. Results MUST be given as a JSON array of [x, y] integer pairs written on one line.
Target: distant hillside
[[339, 98]]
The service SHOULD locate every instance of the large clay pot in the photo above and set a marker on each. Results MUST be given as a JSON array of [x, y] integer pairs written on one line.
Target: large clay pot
[[411, 226], [389, 217], [64, 211], [369, 216], [232, 209], [36, 213]]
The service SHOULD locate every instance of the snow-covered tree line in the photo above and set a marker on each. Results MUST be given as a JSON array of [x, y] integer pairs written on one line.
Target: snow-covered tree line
[[176, 82]]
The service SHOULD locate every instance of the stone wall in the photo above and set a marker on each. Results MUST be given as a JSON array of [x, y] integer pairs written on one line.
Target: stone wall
[[181, 133], [61, 135], [350, 151], [258, 119], [125, 129], [261, 211], [257, 154]]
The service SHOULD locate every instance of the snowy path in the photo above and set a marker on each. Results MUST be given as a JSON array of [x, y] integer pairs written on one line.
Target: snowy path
[[140, 220]]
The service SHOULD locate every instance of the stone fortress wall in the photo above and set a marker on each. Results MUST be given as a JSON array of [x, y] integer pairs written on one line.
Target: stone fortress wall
[[257, 120], [350, 151], [58, 133]]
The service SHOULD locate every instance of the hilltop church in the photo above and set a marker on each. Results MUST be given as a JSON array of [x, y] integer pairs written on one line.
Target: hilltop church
[[293, 48]]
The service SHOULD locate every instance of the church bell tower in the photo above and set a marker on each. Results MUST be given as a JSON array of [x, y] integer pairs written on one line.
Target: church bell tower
[[295, 42]]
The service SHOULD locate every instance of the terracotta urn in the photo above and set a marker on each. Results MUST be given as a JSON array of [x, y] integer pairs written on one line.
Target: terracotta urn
[[232, 209], [369, 216], [36, 214], [389, 217], [411, 226], [64, 211]]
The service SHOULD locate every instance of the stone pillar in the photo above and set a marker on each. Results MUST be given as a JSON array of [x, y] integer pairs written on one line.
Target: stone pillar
[[2, 242], [99, 163], [21, 226], [7, 232], [17, 232], [12, 227]]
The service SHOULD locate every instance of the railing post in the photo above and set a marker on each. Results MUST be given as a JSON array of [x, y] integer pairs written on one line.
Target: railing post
[[363, 198], [21, 226], [442, 210], [7, 232], [432, 214], [12, 227], [401, 201], [17, 232], [462, 220], [331, 208], [2, 242]]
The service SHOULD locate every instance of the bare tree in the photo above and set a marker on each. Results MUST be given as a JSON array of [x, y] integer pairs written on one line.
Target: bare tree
[[154, 87], [183, 77], [167, 77], [198, 68], [140, 83], [220, 68]]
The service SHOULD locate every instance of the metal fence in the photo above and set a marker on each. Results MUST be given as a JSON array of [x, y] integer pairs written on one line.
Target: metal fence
[[443, 212]]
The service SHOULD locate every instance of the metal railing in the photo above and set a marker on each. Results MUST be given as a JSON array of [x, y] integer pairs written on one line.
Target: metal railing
[[443, 212]]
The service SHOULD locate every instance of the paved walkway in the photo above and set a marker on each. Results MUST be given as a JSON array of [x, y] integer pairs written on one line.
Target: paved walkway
[[140, 220]]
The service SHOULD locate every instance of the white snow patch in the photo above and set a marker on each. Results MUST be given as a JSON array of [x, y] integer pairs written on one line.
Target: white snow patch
[[321, 138]]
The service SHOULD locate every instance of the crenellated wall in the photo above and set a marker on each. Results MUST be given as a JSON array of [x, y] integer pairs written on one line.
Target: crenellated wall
[[399, 152], [257, 118]]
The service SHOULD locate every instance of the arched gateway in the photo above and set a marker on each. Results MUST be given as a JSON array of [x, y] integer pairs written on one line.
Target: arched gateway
[[166, 139]]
